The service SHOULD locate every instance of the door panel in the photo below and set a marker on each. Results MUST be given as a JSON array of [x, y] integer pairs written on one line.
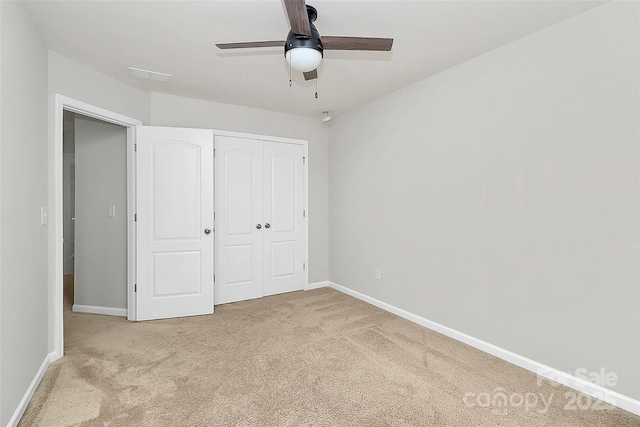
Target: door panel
[[174, 207], [239, 244], [283, 204], [239, 193], [283, 255], [171, 268]]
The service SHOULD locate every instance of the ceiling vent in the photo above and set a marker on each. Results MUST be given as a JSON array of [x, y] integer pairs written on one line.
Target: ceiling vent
[[149, 75]]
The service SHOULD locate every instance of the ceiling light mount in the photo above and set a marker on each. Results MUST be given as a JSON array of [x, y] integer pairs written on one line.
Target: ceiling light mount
[[326, 117]]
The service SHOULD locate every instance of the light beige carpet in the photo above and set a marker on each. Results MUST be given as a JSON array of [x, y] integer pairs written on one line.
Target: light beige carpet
[[316, 358]]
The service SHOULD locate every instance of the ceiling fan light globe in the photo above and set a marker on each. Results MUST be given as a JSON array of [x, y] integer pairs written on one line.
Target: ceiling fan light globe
[[304, 59]]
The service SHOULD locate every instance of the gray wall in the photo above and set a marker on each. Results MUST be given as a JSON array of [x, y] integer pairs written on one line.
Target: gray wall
[[501, 198], [23, 171], [100, 241], [168, 110], [77, 81]]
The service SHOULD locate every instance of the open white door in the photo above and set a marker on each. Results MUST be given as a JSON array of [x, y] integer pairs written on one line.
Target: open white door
[[174, 222]]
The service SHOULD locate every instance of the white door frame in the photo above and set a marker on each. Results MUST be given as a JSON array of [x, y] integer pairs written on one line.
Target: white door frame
[[56, 256], [305, 187]]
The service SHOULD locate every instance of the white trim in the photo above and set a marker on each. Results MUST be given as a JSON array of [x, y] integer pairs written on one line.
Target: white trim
[[132, 188], [305, 203], [616, 399], [89, 110], [94, 309], [258, 137], [22, 406], [317, 285], [1, 287], [62, 103]]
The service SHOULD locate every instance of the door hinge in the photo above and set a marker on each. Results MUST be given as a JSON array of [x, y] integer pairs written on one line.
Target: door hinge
[[135, 147], [135, 288], [304, 213], [214, 153], [135, 217], [304, 265], [214, 278], [304, 160]]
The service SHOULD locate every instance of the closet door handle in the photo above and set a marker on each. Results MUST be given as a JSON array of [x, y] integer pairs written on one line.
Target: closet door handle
[[207, 231], [267, 225], [258, 226]]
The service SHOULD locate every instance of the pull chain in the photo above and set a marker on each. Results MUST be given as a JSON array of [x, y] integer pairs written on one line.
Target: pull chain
[[317, 84], [290, 57]]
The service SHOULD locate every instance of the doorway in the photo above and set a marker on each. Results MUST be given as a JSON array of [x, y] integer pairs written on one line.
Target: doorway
[[95, 207], [56, 250]]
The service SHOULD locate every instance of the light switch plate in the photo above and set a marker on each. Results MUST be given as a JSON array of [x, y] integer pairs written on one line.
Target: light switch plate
[[112, 211], [44, 216]]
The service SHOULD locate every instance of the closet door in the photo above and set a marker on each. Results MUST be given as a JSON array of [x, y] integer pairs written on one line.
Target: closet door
[[239, 215], [260, 233], [283, 216]]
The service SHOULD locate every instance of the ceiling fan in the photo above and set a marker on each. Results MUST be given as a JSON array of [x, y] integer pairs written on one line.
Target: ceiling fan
[[304, 48]]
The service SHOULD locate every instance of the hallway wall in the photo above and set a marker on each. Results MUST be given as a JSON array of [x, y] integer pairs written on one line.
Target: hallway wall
[[23, 192]]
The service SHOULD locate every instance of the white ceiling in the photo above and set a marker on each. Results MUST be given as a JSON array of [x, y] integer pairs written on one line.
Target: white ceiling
[[178, 37]]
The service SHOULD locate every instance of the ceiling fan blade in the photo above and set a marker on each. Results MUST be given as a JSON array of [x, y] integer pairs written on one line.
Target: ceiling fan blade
[[310, 75], [356, 43], [298, 17], [243, 45]]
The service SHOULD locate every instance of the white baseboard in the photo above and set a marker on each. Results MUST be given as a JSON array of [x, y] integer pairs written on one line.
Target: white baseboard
[[93, 309], [317, 285], [625, 402], [22, 406]]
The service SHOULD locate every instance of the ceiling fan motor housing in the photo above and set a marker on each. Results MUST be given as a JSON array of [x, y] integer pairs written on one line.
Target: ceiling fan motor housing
[[296, 41], [313, 42]]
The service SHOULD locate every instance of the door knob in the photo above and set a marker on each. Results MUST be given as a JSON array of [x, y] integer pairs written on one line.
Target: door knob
[[207, 231], [258, 226], [267, 225]]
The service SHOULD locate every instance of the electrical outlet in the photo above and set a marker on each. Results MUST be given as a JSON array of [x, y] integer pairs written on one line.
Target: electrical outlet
[[376, 273]]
